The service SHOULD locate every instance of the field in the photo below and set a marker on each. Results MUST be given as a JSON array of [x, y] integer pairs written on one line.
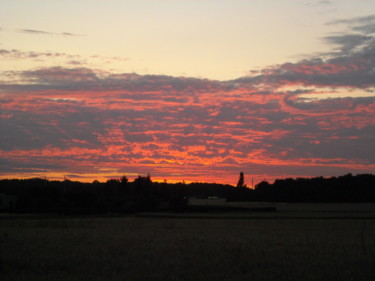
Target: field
[[298, 242]]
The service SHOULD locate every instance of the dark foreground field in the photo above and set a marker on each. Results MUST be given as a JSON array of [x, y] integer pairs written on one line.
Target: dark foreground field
[[298, 242]]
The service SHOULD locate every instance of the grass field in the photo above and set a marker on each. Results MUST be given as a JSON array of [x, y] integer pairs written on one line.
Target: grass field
[[299, 242]]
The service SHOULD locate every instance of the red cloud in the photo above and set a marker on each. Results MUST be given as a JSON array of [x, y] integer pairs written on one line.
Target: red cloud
[[79, 121]]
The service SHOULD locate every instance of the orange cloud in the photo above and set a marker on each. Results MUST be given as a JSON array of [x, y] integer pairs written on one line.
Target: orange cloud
[[81, 122]]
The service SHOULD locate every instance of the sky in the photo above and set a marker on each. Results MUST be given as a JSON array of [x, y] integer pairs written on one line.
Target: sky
[[186, 90]]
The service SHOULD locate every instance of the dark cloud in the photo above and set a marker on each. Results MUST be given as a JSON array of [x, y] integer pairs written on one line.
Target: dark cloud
[[317, 3], [349, 42], [355, 21], [71, 34], [367, 29], [37, 32], [59, 75], [351, 64], [10, 166], [18, 54], [75, 79], [365, 25], [41, 32], [74, 62], [360, 40]]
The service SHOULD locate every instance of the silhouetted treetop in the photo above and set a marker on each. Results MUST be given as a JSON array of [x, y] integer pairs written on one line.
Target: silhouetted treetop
[[241, 181]]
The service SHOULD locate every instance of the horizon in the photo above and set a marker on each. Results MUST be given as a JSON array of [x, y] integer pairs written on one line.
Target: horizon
[[247, 184], [192, 91]]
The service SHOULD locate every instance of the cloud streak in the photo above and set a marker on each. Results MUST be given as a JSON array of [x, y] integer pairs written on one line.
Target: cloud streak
[[62, 59], [317, 3], [18, 54], [42, 32]]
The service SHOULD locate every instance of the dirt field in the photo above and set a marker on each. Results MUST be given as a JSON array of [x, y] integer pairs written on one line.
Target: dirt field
[[298, 242]]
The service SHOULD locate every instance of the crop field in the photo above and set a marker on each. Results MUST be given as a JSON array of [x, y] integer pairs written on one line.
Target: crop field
[[298, 242]]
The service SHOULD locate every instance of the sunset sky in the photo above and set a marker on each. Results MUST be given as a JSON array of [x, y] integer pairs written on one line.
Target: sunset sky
[[186, 90]]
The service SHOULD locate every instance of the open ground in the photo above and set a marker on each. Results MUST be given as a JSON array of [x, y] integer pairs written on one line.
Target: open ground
[[297, 242]]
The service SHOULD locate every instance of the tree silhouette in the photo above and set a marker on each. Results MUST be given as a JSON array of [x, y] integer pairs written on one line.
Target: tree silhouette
[[241, 181], [143, 181], [124, 180]]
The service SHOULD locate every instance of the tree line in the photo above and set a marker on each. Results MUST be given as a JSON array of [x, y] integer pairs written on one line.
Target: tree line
[[142, 194], [38, 195], [347, 188]]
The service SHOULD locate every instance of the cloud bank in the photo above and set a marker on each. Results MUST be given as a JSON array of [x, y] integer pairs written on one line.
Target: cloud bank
[[313, 117]]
